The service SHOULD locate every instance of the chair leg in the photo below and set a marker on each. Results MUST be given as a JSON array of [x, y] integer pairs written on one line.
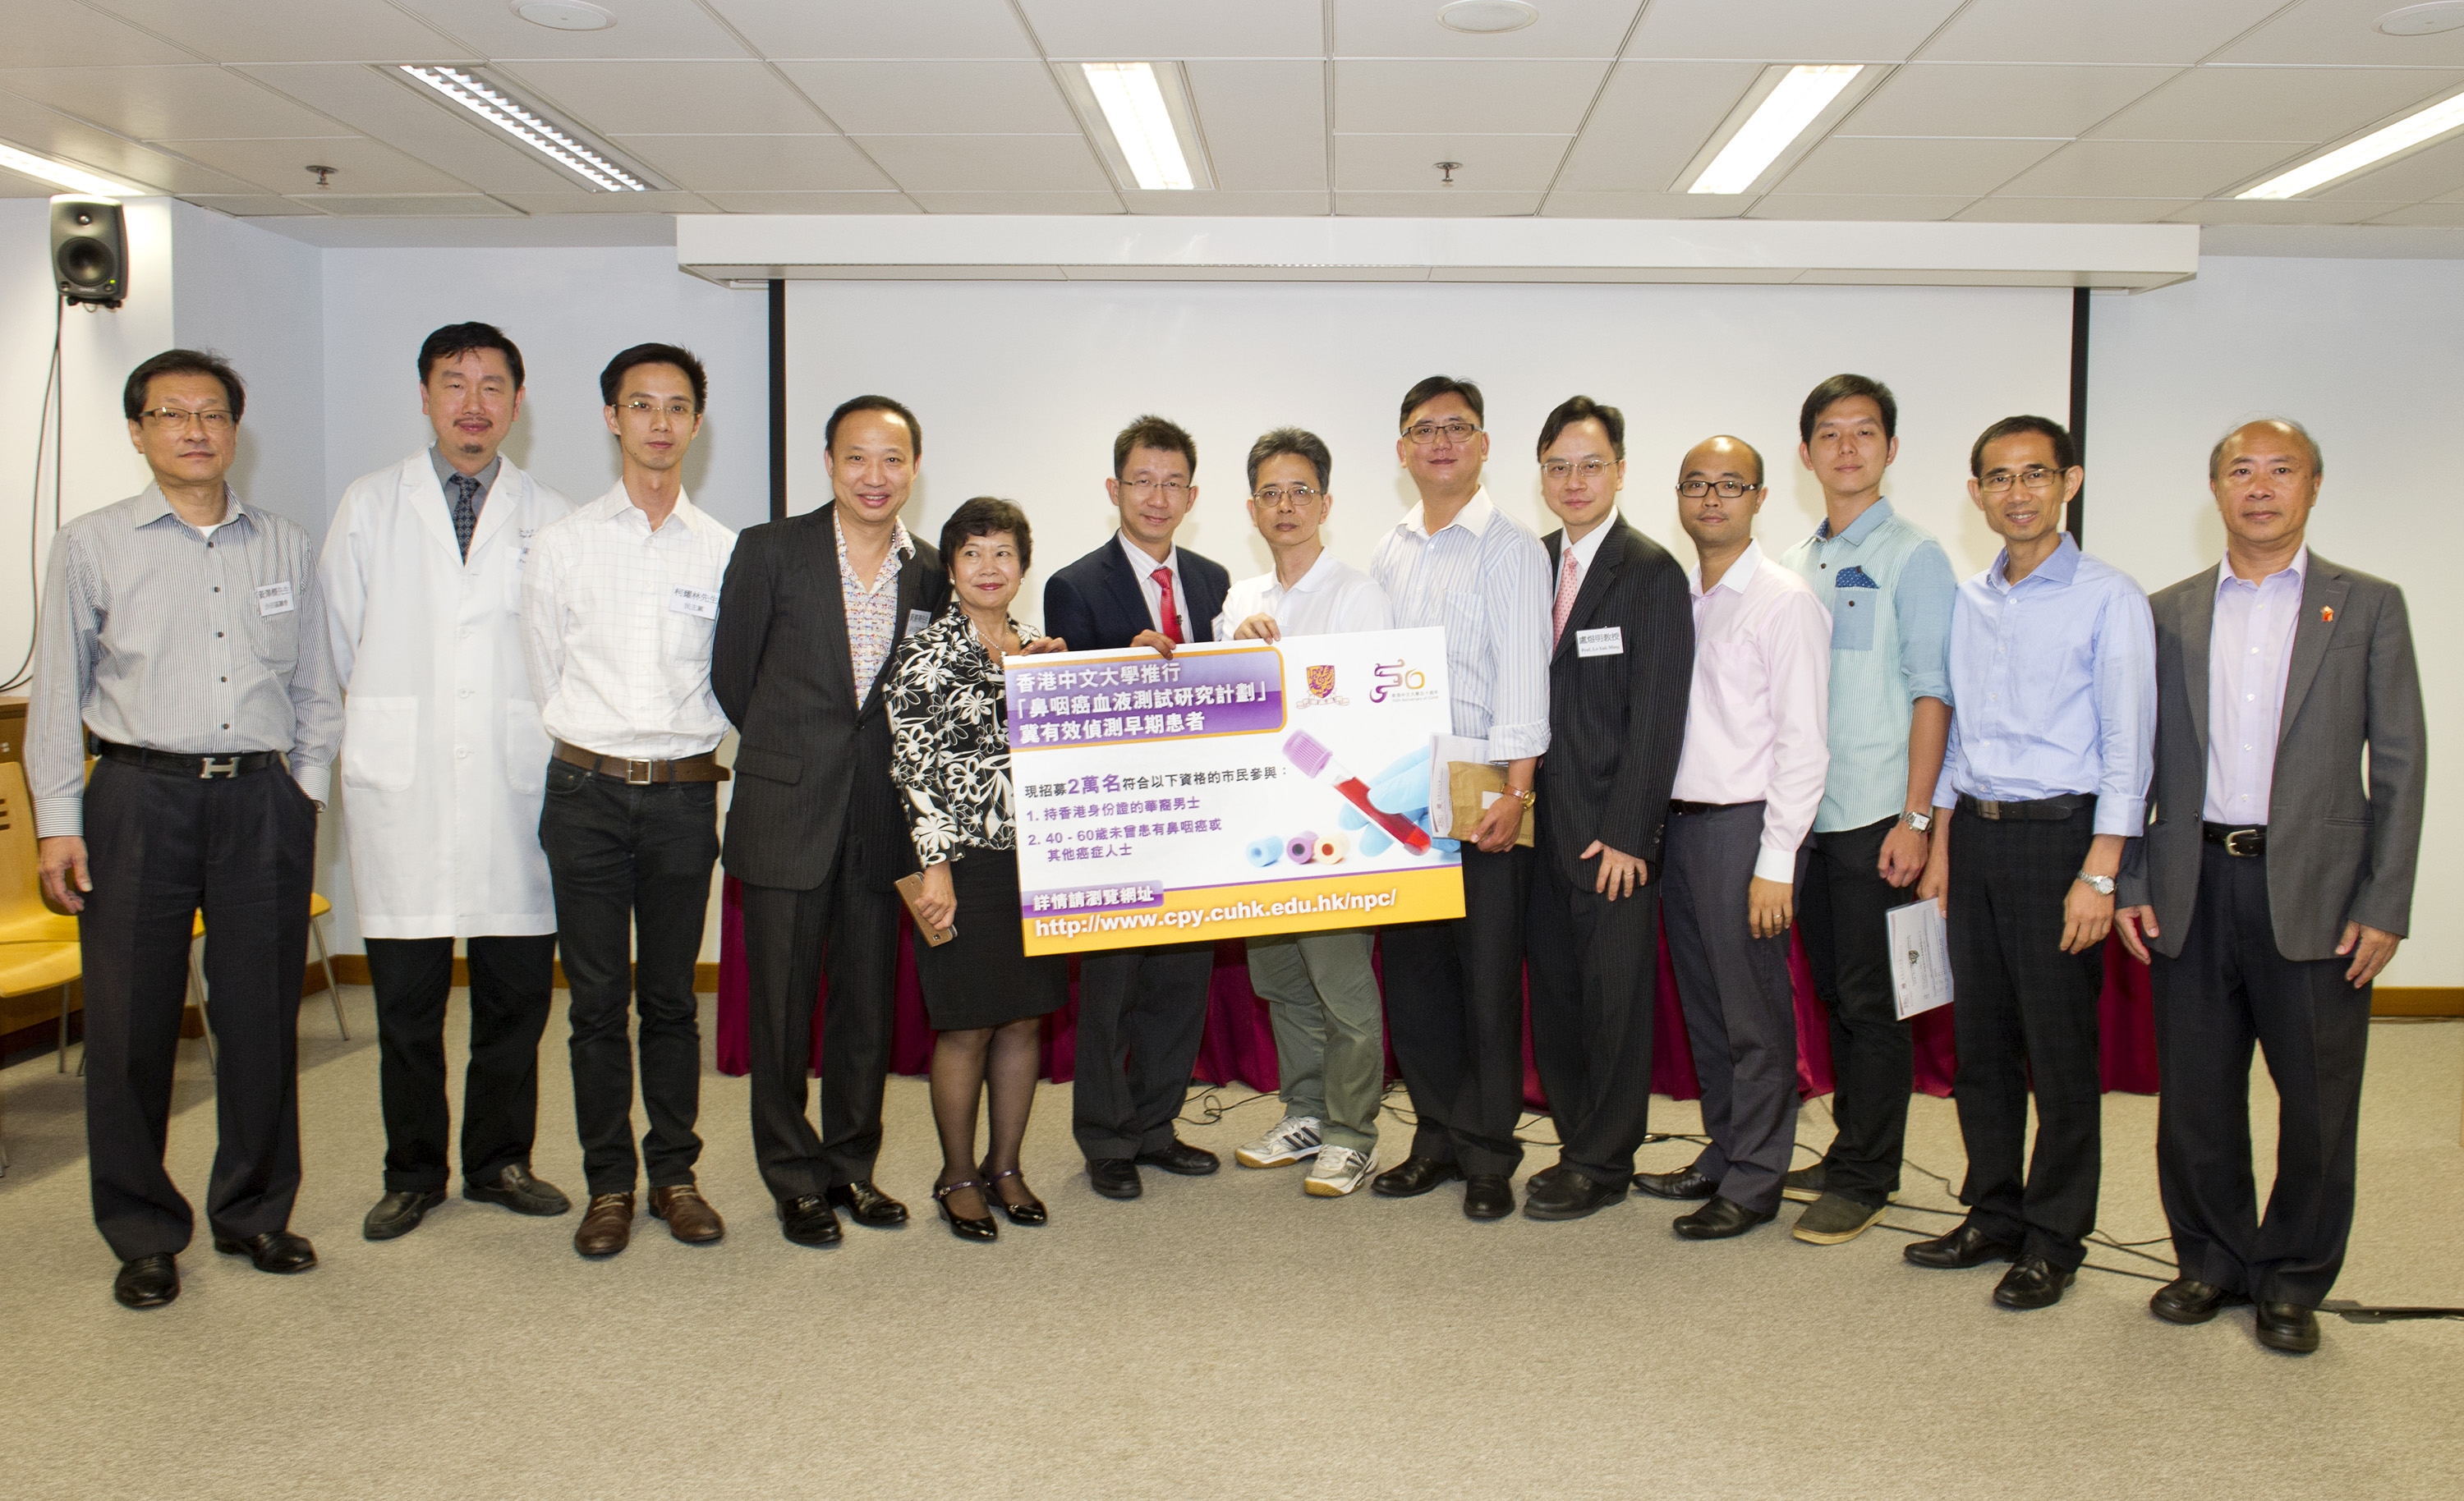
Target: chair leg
[[205, 1012], [325, 962], [61, 1063]]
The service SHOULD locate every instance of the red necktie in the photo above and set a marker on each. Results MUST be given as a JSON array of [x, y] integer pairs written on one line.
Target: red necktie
[[1566, 586], [1163, 609]]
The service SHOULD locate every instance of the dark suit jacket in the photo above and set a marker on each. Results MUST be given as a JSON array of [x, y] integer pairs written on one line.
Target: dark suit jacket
[[812, 769], [2337, 849], [1095, 603], [1616, 723]]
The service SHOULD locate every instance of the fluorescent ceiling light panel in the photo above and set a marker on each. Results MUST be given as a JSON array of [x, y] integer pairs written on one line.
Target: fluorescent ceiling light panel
[[76, 180], [2422, 125], [527, 127], [1133, 106], [1802, 98]]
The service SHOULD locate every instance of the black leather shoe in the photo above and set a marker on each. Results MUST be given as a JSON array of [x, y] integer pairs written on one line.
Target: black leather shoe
[[2288, 1327], [276, 1251], [2032, 1283], [1721, 1219], [1684, 1183], [1183, 1159], [514, 1188], [399, 1212], [1413, 1177], [1028, 1212], [2187, 1301], [868, 1204], [1114, 1177], [1965, 1246], [1568, 1196], [807, 1220], [146, 1282], [980, 1228], [1489, 1196]]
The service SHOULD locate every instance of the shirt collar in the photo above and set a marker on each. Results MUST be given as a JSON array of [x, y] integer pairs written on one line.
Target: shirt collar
[[1321, 574], [901, 545], [1862, 527], [2060, 568], [1474, 517], [2298, 567], [152, 506], [1140, 564], [1589, 547], [613, 507], [446, 471], [1740, 573]]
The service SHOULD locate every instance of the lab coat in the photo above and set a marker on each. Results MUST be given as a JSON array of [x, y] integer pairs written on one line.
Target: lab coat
[[444, 760]]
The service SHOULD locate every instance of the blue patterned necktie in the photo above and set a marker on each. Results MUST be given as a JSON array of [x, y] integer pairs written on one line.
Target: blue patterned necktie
[[466, 510]]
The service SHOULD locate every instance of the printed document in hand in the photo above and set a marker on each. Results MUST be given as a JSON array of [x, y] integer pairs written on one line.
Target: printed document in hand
[[1920, 958], [1444, 751]]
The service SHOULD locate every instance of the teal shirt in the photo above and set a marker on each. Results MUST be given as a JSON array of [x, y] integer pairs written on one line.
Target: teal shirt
[[1890, 590]]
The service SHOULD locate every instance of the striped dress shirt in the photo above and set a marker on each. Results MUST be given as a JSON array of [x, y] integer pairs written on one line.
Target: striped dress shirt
[[1485, 580]]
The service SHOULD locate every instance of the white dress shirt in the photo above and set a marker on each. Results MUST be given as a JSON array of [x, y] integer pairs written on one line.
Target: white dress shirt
[[1757, 727], [617, 625], [1144, 567], [1331, 598], [1485, 580], [2250, 651]]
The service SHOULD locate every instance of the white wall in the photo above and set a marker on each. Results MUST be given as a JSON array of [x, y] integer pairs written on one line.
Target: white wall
[[257, 299]]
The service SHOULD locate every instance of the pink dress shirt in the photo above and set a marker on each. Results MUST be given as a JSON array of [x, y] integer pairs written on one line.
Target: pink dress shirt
[[2249, 650], [1756, 728]]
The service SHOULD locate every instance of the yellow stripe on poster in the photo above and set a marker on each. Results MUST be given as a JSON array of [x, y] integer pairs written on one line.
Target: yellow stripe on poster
[[1371, 899]]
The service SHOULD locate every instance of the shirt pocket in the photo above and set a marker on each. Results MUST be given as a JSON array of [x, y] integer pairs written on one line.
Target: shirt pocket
[[1852, 617], [379, 742], [275, 637]]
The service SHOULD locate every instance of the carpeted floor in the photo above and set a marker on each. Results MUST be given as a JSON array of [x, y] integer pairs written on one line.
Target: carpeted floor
[[1225, 1336]]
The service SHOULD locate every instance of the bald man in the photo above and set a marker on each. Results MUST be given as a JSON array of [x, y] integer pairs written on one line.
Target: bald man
[[2274, 881]]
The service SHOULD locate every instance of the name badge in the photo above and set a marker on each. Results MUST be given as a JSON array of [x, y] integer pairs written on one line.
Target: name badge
[[918, 620], [274, 599], [1608, 641], [702, 602]]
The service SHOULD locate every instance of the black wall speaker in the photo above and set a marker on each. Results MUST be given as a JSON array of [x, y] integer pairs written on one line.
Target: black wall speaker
[[90, 249]]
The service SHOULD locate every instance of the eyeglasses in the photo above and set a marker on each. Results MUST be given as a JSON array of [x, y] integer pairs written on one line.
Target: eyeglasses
[[1589, 469], [2035, 476], [1173, 490], [1273, 496], [677, 410], [1453, 429], [1726, 490], [174, 418]]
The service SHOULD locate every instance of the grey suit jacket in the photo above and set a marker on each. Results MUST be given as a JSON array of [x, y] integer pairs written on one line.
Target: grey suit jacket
[[2341, 846]]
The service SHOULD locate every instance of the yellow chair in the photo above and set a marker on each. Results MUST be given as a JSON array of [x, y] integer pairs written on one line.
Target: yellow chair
[[38, 946]]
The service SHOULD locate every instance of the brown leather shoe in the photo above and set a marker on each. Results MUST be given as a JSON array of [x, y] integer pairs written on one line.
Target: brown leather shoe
[[688, 1215], [606, 1225]]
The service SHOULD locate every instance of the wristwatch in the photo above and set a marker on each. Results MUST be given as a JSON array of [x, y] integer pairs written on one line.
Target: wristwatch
[[1524, 793], [2102, 885], [1921, 822]]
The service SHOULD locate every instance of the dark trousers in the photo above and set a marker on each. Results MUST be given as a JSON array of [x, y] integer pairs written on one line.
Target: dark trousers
[[1141, 1014], [1843, 903], [1454, 1013], [159, 847], [1740, 1007], [631, 871], [513, 979], [2231, 987], [2024, 1011], [1595, 964], [848, 929]]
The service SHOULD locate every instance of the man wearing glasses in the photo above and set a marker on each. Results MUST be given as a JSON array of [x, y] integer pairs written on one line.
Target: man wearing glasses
[[2052, 659], [620, 606], [1321, 993], [1141, 1011], [1455, 989], [187, 632]]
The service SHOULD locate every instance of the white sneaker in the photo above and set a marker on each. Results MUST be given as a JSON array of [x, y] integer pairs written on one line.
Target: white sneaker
[[1338, 1170], [1293, 1138]]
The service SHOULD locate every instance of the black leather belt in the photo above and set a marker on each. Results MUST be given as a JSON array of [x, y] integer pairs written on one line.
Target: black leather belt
[[1681, 806], [208, 767], [2045, 810], [2243, 844]]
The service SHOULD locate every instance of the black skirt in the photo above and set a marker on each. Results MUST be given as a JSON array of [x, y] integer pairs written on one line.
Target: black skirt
[[982, 977]]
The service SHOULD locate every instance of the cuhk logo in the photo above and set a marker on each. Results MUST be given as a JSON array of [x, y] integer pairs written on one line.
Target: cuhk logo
[[1321, 682]]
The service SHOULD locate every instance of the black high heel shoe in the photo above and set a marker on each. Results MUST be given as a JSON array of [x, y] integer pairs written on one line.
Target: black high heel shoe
[[1031, 1213], [982, 1230]]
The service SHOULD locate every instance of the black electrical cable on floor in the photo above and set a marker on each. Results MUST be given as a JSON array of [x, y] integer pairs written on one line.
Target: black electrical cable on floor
[[54, 397]]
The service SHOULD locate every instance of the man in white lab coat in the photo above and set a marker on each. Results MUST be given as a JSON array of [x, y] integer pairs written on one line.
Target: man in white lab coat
[[444, 767]]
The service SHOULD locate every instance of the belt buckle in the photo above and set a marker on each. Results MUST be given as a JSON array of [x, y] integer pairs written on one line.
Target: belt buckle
[[1990, 810], [2234, 843], [637, 773], [228, 766]]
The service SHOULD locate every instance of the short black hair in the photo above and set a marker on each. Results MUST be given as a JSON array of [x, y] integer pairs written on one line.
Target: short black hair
[[2066, 451], [1438, 386], [1582, 408], [874, 403], [1153, 432], [2216, 454], [456, 339], [178, 363], [983, 516], [1294, 440], [1843, 387], [613, 377]]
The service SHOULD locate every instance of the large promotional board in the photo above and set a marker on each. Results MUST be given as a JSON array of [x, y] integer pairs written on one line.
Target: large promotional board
[[1236, 789]]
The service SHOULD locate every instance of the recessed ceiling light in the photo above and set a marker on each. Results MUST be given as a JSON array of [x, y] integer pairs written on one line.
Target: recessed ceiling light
[[2422, 20], [2415, 128], [526, 126], [1488, 15], [564, 16], [1131, 96], [1803, 95], [60, 174]]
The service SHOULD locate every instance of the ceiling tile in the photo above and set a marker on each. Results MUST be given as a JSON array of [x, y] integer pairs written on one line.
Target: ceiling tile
[[361, 166], [2274, 103], [1411, 29], [2432, 214], [2299, 210], [1407, 163], [1140, 28], [2431, 172], [2072, 210], [754, 163], [990, 164], [935, 98], [50, 133], [1651, 121], [60, 33], [630, 98], [871, 29], [1917, 165], [2095, 31], [2146, 169], [1001, 202], [1460, 204], [2337, 32], [164, 104], [1564, 205], [1998, 99], [768, 203], [1277, 204], [644, 29], [422, 205], [250, 206], [1858, 206], [414, 121], [1430, 96], [589, 203], [1789, 31], [1265, 123], [290, 30]]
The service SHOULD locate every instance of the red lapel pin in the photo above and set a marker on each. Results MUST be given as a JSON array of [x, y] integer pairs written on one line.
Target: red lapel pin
[[2328, 612]]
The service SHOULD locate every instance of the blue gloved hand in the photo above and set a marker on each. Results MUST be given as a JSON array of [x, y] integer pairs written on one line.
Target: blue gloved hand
[[1401, 787]]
